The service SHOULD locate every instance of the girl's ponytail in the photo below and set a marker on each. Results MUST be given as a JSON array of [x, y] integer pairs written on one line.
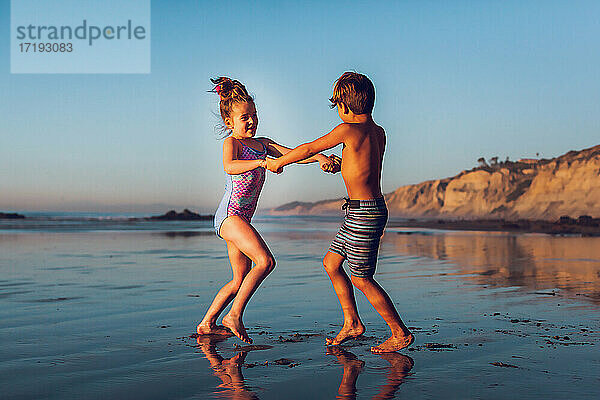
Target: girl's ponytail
[[230, 92]]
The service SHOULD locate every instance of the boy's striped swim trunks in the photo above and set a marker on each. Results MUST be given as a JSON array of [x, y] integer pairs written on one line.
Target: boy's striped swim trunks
[[358, 238]]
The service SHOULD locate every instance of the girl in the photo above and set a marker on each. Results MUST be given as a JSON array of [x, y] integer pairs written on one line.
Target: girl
[[244, 160]]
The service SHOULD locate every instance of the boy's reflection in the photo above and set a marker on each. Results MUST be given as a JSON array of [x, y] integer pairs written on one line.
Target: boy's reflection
[[400, 366], [228, 370], [352, 368]]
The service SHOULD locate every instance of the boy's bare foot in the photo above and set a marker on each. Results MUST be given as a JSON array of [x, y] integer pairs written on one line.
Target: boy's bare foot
[[206, 329], [237, 328], [394, 343], [348, 332]]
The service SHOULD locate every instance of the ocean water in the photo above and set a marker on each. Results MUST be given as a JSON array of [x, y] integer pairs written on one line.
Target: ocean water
[[96, 306]]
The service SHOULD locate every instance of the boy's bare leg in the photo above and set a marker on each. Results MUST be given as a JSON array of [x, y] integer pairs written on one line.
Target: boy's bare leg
[[379, 299], [353, 326], [240, 264], [237, 231]]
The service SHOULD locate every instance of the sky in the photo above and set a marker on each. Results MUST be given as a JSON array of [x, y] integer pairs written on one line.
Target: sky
[[455, 81]]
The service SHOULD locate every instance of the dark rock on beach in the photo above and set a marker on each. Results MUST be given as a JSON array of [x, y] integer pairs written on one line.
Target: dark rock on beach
[[11, 216], [439, 346], [503, 365], [283, 361], [252, 347], [186, 215]]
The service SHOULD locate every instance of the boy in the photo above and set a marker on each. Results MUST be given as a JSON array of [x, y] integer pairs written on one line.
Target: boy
[[366, 213]]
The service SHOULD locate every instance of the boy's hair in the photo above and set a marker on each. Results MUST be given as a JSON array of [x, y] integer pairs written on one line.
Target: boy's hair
[[356, 91], [230, 92]]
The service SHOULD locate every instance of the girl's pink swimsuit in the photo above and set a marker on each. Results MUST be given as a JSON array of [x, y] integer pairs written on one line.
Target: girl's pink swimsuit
[[242, 190]]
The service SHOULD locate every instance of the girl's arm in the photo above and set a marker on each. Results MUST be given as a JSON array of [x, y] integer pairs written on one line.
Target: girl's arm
[[232, 165], [277, 150]]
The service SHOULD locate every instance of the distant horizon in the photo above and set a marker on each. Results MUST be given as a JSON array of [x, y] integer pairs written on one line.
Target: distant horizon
[[111, 209], [161, 208]]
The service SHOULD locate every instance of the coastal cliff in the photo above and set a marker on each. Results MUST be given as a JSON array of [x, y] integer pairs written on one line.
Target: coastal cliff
[[543, 189]]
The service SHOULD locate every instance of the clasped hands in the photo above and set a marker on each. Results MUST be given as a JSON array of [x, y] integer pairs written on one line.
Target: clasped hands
[[331, 164], [270, 164]]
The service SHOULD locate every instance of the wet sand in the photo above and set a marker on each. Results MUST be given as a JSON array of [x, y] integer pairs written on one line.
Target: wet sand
[[582, 226], [112, 315]]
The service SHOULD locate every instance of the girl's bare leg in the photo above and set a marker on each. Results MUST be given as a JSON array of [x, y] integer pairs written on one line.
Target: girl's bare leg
[[240, 265], [240, 233]]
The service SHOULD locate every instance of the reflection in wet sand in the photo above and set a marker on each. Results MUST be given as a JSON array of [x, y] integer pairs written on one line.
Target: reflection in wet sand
[[234, 385], [228, 370], [400, 366], [533, 261], [352, 368]]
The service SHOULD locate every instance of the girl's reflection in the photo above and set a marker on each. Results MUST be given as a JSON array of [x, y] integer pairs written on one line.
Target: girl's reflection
[[228, 370]]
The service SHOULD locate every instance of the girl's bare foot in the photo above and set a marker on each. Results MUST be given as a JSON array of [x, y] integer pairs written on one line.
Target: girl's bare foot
[[207, 329], [394, 343], [348, 332], [237, 328]]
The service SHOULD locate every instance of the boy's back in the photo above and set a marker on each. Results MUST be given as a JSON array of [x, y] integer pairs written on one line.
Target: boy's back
[[362, 159]]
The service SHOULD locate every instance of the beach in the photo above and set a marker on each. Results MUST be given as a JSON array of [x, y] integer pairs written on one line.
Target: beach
[[108, 309], [565, 227]]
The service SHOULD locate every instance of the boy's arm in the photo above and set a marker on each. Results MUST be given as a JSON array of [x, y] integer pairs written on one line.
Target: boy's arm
[[307, 150], [232, 165], [277, 150]]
